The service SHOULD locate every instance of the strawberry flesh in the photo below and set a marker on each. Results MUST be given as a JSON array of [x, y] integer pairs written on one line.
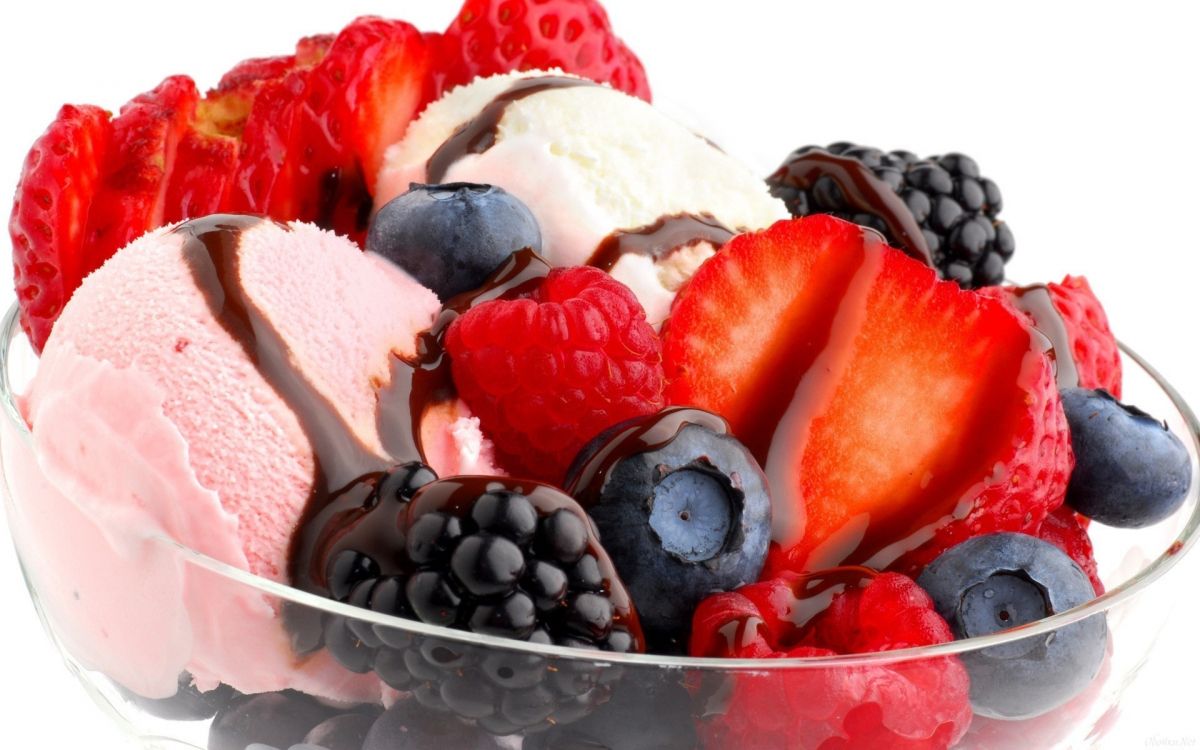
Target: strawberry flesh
[[894, 414]]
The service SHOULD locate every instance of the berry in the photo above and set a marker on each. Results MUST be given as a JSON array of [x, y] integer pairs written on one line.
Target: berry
[[49, 215], [345, 732], [954, 207], [1076, 314], [489, 556], [892, 413], [915, 704], [488, 37], [277, 719], [1131, 471], [188, 704], [357, 100], [547, 372], [129, 199], [410, 726], [452, 237], [683, 509], [647, 711], [1067, 530], [1001, 581]]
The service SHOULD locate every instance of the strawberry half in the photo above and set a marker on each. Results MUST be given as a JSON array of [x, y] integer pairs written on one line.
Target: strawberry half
[[50, 212], [131, 196], [488, 37], [895, 415], [357, 101]]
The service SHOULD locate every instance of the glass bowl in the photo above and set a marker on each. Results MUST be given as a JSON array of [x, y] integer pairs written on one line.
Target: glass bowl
[[262, 693]]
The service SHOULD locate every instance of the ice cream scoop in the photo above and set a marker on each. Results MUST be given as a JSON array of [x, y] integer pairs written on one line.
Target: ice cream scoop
[[197, 390], [612, 181]]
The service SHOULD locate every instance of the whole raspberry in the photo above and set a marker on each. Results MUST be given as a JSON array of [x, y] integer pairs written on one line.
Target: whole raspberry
[[912, 705], [548, 372]]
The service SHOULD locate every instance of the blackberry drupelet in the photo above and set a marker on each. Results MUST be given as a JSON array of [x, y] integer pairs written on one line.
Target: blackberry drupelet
[[954, 206], [489, 556]]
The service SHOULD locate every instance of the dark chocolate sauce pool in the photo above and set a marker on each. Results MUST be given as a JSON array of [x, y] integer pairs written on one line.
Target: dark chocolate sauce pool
[[864, 192], [660, 239], [478, 134], [1036, 302]]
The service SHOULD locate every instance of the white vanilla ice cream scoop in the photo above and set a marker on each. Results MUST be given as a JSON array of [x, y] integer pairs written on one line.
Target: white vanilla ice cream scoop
[[611, 180]]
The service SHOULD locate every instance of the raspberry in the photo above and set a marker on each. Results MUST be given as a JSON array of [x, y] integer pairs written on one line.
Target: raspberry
[[913, 705], [547, 373], [500, 36], [1067, 530]]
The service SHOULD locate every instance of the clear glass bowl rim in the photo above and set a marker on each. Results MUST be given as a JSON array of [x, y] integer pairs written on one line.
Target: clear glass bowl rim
[[10, 332]]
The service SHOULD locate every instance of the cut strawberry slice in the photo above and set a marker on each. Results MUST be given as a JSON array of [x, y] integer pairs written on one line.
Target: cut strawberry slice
[[49, 215], [358, 101], [895, 415], [132, 192]]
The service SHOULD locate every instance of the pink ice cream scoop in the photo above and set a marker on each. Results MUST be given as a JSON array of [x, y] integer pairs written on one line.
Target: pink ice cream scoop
[[198, 390]]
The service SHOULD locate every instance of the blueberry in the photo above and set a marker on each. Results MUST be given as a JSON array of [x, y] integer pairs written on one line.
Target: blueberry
[[1130, 470], [410, 726], [647, 711], [452, 237], [683, 510], [275, 719], [1000, 581], [188, 703], [345, 732]]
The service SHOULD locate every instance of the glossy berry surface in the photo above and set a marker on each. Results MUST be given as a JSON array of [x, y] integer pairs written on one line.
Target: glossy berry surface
[[993, 583], [488, 37], [956, 208], [917, 705], [1067, 530], [489, 556], [683, 509], [278, 719], [452, 237], [547, 372], [410, 726], [188, 704], [1130, 470]]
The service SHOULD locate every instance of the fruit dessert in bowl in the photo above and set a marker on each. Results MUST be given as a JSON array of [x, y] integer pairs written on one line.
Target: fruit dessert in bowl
[[420, 388]]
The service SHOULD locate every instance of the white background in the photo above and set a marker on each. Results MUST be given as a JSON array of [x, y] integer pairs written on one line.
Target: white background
[[1083, 113]]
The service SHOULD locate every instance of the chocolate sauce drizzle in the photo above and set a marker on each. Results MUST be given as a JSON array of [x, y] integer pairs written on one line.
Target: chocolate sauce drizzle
[[1036, 302], [863, 192], [587, 481], [660, 239], [478, 134]]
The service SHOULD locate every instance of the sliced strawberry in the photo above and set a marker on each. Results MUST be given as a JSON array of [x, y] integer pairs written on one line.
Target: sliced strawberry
[[145, 139], [488, 37], [203, 171], [49, 215], [255, 70], [895, 415], [358, 101], [1078, 315]]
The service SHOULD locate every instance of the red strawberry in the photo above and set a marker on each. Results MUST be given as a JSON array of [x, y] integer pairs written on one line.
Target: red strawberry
[[203, 170], [1067, 530], [912, 705], [263, 181], [548, 372], [357, 101], [146, 135], [256, 70], [894, 415], [1094, 349], [499, 36], [50, 212]]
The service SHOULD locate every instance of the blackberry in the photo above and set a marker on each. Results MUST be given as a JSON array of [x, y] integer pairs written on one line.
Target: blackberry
[[940, 210], [488, 556]]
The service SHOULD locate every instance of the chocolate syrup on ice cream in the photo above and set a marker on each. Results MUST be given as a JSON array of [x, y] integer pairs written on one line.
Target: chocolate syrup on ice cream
[[478, 134], [863, 191], [660, 239]]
